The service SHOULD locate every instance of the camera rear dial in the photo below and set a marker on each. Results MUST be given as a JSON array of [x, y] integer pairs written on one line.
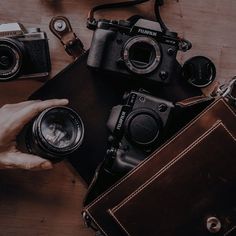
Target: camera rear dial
[[141, 55], [11, 58]]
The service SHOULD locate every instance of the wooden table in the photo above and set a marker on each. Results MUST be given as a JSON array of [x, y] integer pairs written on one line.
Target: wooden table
[[49, 203]]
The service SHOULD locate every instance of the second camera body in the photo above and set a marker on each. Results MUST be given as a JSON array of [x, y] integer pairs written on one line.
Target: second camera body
[[141, 49], [136, 129], [24, 53]]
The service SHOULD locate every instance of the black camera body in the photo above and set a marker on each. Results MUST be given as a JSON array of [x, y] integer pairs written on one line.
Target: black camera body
[[24, 53], [141, 49], [136, 129]]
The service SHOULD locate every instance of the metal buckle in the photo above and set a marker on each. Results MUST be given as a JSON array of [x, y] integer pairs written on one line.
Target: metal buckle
[[226, 91], [74, 47], [60, 26]]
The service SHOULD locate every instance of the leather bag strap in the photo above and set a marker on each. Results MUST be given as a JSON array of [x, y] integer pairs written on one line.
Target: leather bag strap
[[60, 26]]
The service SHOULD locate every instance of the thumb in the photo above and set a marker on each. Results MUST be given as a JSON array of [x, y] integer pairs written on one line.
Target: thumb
[[19, 160]]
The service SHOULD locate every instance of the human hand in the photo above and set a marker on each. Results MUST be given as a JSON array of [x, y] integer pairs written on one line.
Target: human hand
[[13, 117]]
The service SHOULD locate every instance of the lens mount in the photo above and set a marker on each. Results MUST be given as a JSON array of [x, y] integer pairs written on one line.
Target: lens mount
[[11, 58], [58, 131], [141, 54]]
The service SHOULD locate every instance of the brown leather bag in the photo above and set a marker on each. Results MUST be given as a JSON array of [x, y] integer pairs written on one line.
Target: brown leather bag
[[187, 187]]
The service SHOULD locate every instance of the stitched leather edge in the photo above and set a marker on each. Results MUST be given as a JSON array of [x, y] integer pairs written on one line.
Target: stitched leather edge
[[170, 164]]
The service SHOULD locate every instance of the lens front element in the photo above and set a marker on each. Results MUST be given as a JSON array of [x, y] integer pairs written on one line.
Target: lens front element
[[11, 57], [57, 132]]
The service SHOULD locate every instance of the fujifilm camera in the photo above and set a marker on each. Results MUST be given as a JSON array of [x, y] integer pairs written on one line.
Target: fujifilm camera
[[23, 52], [139, 49], [136, 127]]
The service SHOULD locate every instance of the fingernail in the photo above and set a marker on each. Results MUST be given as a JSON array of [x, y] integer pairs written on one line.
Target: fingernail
[[65, 100], [46, 165]]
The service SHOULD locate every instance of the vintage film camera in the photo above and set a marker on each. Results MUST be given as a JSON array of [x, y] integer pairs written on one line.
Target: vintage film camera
[[24, 53], [137, 48]]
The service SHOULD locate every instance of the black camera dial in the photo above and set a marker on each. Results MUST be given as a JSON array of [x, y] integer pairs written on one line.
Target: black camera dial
[[141, 54], [143, 127]]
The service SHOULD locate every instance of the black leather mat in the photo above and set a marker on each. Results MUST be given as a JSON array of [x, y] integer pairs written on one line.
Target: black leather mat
[[93, 94]]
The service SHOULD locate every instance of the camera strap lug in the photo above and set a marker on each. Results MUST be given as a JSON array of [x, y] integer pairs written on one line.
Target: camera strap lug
[[60, 26]]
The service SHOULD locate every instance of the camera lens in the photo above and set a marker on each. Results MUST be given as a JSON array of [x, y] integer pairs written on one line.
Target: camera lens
[[55, 133], [141, 54], [11, 57]]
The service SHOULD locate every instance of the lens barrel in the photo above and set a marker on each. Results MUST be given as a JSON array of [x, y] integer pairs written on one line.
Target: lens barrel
[[55, 133], [11, 58]]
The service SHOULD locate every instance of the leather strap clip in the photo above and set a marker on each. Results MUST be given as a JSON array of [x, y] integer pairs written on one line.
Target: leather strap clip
[[60, 26], [193, 101]]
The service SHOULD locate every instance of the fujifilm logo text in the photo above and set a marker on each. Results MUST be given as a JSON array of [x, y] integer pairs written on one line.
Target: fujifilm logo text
[[121, 120], [148, 32]]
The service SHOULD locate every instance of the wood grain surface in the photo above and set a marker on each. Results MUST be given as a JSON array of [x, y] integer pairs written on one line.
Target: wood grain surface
[[49, 203]]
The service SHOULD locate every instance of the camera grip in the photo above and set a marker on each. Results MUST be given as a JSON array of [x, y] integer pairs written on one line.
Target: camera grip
[[97, 50]]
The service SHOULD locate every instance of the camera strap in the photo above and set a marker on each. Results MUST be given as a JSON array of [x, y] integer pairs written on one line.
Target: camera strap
[[60, 26], [226, 90], [92, 22]]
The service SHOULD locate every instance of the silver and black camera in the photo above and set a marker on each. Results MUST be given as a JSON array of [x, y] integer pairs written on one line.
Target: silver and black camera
[[140, 49], [24, 53]]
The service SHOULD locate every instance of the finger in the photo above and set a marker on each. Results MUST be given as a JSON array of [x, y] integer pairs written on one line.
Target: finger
[[19, 160], [19, 105], [26, 114], [26, 103]]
